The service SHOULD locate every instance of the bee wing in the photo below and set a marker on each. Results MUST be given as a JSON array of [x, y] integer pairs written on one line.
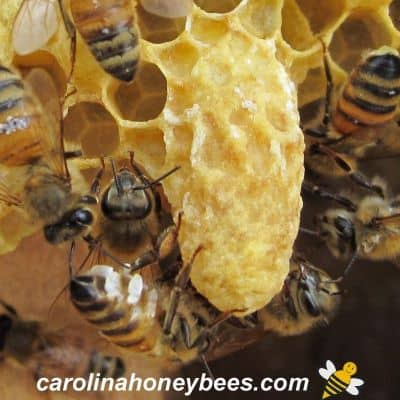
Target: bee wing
[[43, 86], [59, 354], [328, 370], [7, 196], [233, 339], [27, 131], [34, 25], [168, 8], [389, 222], [352, 388]]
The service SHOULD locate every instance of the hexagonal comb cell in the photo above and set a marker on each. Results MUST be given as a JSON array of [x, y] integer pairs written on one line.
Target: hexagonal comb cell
[[185, 57], [313, 87], [361, 30], [295, 28], [94, 127], [220, 6], [261, 18], [208, 30], [148, 144], [394, 11], [156, 29], [47, 61], [145, 97], [322, 14]]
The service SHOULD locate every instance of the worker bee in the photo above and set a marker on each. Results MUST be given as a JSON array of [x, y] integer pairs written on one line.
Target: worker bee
[[107, 27], [31, 140], [369, 98], [168, 8], [164, 318], [369, 229], [338, 381], [307, 299], [135, 217], [52, 353]]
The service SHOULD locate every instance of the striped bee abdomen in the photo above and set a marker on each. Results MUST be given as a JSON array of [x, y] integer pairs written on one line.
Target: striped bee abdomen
[[106, 366], [108, 27], [371, 95], [121, 306], [20, 121]]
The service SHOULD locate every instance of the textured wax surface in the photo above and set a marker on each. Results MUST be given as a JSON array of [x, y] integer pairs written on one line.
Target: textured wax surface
[[211, 96]]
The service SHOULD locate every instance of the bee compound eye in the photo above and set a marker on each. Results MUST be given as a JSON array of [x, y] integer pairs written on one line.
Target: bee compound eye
[[311, 305], [344, 227], [82, 217]]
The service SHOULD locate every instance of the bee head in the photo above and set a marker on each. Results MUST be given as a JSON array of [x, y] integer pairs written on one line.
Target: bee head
[[314, 294], [123, 201], [336, 229], [383, 63], [73, 223]]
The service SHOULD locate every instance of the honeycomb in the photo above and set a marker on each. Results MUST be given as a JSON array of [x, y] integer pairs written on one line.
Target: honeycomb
[[211, 96], [216, 94], [199, 101]]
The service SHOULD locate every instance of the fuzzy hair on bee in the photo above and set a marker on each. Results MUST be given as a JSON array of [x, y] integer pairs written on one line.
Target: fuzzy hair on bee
[[309, 298], [156, 319], [369, 228], [31, 143], [368, 98], [107, 27], [135, 219]]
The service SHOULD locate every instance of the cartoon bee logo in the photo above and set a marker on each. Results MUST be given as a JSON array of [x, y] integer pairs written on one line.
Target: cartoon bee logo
[[340, 380]]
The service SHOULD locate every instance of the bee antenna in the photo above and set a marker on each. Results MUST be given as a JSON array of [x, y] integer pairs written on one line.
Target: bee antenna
[[71, 254], [308, 231], [9, 308], [207, 367], [351, 262], [348, 267], [158, 180], [337, 293], [116, 178], [92, 245]]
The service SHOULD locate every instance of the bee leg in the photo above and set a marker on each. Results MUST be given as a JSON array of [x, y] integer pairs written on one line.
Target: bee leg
[[165, 245], [317, 133], [329, 87], [323, 131], [72, 154], [70, 28], [149, 257], [168, 239], [95, 187], [310, 188], [9, 308], [347, 269], [134, 166], [363, 181], [356, 176], [181, 282], [201, 343]]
